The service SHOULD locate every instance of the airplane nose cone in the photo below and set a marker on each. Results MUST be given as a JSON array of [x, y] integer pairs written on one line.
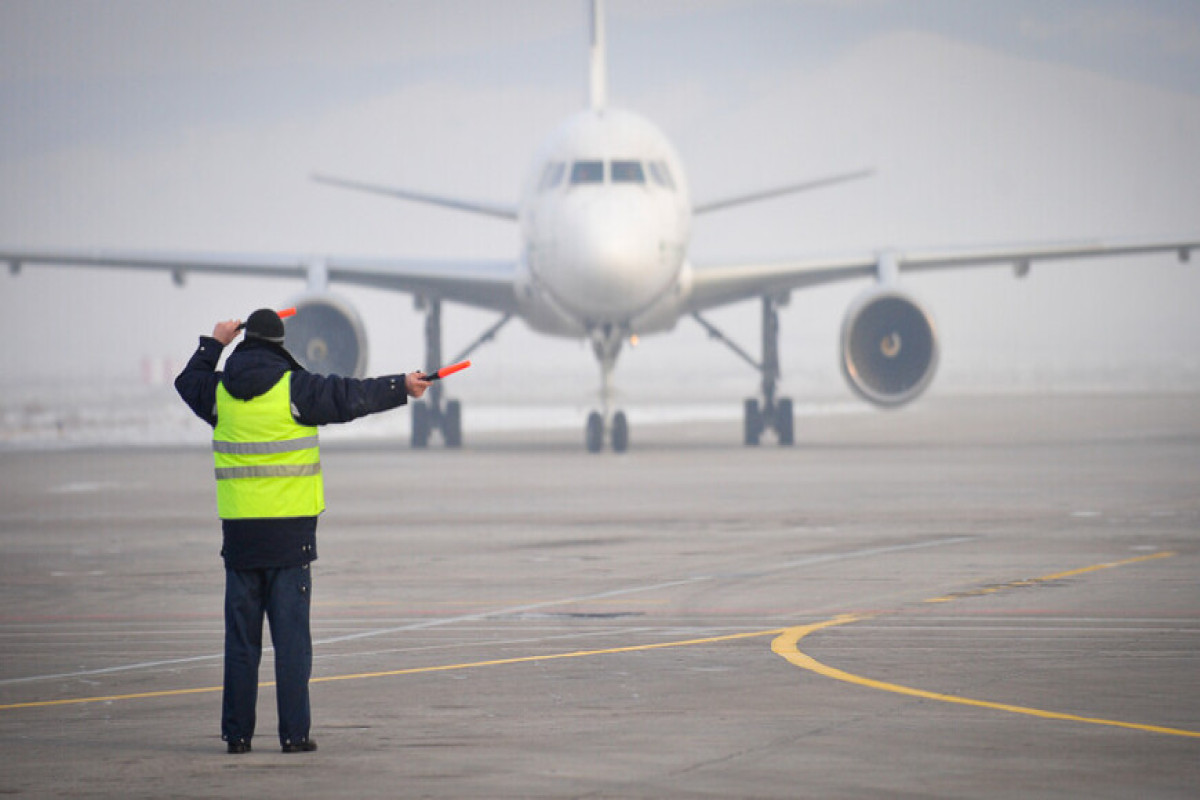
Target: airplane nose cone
[[612, 264]]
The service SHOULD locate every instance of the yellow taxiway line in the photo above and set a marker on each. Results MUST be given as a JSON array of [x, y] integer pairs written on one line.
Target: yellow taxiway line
[[785, 644], [413, 670]]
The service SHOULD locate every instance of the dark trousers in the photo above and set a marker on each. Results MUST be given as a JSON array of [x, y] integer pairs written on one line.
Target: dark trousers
[[284, 596]]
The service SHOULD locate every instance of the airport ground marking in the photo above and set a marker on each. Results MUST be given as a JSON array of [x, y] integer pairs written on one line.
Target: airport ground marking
[[554, 656], [524, 608], [1071, 573], [787, 645], [417, 670], [72, 701], [780, 634]]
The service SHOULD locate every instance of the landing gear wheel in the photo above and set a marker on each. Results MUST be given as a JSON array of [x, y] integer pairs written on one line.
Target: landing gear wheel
[[783, 422], [595, 432], [752, 422], [620, 432], [420, 425], [452, 424]]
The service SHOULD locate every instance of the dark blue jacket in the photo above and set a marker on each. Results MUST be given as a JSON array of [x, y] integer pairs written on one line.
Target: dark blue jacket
[[251, 370]]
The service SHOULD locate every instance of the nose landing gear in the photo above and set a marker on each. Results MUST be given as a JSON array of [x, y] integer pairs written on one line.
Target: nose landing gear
[[617, 428], [606, 343]]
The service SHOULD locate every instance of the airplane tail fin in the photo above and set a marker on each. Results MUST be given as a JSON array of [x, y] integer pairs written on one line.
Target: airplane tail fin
[[598, 84]]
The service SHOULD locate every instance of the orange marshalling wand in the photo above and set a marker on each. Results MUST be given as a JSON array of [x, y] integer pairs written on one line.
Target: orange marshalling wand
[[438, 374]]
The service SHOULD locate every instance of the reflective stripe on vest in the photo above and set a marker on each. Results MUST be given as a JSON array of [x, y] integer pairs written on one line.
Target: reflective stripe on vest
[[277, 471], [259, 448], [267, 465]]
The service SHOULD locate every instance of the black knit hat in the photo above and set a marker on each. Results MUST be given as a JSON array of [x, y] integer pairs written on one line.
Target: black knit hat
[[265, 324]]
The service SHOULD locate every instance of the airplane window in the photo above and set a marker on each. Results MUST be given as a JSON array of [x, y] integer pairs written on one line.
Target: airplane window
[[551, 175], [661, 174], [587, 172], [628, 172]]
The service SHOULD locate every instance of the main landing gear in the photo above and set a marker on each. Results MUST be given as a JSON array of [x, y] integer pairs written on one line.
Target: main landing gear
[[435, 413], [606, 344], [765, 413]]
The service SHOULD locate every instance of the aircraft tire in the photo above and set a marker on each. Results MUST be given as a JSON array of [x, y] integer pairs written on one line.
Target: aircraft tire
[[620, 432], [595, 432], [784, 423], [752, 423], [452, 424], [420, 425]]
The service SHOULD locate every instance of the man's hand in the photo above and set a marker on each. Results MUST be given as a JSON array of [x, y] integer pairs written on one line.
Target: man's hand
[[227, 331], [415, 383]]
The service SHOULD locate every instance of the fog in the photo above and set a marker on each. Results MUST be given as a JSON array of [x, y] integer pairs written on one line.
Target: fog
[[195, 126]]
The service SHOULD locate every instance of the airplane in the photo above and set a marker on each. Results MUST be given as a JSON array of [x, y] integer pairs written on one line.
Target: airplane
[[605, 220]]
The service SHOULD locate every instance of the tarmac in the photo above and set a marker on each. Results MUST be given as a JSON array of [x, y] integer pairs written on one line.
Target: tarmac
[[975, 597]]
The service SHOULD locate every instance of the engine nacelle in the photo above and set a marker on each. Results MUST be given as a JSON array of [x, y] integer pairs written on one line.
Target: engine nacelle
[[327, 336], [889, 350]]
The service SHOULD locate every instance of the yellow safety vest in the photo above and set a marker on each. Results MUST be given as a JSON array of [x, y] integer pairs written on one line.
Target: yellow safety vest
[[267, 464]]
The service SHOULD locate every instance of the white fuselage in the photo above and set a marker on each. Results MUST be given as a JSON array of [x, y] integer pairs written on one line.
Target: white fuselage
[[605, 219]]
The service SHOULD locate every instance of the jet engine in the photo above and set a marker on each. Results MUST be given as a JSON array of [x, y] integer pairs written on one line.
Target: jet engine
[[327, 337], [889, 349]]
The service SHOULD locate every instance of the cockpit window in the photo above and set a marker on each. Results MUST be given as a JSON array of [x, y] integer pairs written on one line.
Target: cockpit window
[[587, 172], [552, 175], [661, 174], [628, 172]]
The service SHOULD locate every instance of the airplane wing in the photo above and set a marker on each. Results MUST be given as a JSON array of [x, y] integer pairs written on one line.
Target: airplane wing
[[498, 210], [481, 283], [779, 191], [719, 284]]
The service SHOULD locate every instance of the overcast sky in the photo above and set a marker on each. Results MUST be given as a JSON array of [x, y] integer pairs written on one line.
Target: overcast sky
[[195, 126]]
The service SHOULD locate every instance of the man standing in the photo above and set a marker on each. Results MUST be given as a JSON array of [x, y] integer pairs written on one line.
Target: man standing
[[265, 409]]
